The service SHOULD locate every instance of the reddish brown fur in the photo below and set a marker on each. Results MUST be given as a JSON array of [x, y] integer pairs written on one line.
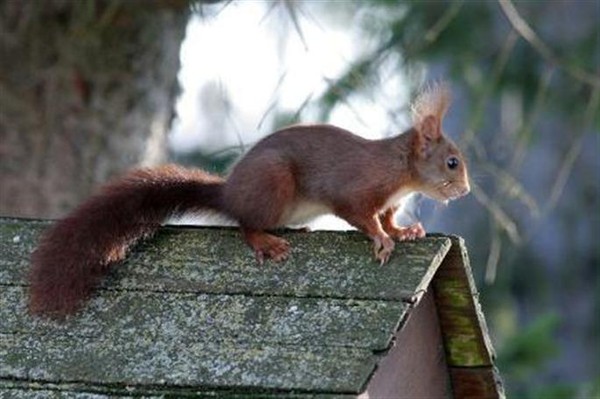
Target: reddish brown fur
[[77, 250], [291, 174]]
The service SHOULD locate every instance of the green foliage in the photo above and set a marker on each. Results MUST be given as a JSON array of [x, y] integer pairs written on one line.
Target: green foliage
[[527, 351], [557, 391], [470, 38]]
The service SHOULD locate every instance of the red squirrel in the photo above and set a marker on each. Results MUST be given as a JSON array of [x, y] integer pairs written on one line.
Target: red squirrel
[[292, 175]]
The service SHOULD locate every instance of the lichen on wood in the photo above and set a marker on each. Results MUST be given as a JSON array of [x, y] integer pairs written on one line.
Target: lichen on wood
[[190, 309]]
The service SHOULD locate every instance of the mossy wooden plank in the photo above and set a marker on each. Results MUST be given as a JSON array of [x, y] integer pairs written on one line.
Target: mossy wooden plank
[[144, 361], [190, 307], [45, 390], [476, 383], [228, 319], [39, 391], [463, 326], [322, 264], [18, 238]]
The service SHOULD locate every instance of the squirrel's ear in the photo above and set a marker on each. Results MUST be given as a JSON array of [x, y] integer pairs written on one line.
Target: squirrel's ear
[[429, 131], [428, 110]]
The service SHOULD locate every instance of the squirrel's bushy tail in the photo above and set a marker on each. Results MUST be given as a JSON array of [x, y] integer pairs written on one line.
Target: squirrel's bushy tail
[[76, 252]]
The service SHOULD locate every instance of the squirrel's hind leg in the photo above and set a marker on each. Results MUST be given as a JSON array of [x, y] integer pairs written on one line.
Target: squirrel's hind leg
[[260, 201]]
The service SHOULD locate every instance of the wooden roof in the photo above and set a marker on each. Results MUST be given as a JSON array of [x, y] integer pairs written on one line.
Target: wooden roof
[[190, 312]]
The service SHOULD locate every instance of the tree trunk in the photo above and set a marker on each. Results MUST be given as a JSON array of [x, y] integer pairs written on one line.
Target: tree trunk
[[86, 90]]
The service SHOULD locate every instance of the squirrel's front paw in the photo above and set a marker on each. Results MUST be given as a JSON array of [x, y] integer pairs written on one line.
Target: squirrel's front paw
[[408, 233]]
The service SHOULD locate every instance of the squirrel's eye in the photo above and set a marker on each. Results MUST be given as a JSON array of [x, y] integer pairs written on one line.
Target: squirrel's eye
[[452, 162]]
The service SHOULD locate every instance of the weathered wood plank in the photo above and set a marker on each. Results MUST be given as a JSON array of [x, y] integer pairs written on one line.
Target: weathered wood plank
[[207, 318], [29, 390], [465, 331], [469, 352], [476, 383], [146, 361], [323, 264], [18, 238], [180, 314], [15, 390]]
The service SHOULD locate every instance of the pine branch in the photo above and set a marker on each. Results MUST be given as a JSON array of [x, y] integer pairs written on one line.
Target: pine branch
[[527, 33]]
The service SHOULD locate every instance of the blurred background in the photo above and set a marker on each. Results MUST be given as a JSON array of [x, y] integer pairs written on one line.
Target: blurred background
[[90, 88]]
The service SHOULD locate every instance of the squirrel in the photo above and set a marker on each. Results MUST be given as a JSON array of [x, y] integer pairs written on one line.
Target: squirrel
[[288, 177]]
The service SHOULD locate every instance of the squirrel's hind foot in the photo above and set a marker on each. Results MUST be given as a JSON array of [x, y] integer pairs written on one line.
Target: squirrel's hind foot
[[267, 246]]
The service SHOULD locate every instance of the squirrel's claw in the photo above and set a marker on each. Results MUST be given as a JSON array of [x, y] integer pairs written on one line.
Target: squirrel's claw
[[260, 256], [382, 248]]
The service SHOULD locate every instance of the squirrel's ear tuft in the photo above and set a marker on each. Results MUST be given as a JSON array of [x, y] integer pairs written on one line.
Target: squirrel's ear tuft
[[433, 101], [428, 110]]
